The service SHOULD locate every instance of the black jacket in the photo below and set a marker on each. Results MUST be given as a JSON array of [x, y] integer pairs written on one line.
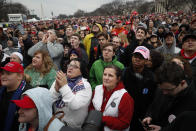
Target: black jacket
[[142, 91], [26, 58], [164, 107], [95, 51], [193, 67], [125, 58], [184, 122], [4, 104]]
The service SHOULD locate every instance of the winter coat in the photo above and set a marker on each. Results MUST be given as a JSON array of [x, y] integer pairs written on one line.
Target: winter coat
[[74, 105], [165, 50], [96, 71], [5, 99], [165, 109], [27, 59], [43, 101], [193, 67], [88, 42], [117, 107], [142, 88]]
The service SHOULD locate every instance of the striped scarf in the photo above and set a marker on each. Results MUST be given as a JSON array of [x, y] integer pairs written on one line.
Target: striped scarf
[[76, 84]]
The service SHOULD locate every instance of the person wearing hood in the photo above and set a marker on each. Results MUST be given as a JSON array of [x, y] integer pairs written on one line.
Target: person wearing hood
[[108, 58], [73, 54], [35, 111], [169, 45], [90, 40], [161, 33]]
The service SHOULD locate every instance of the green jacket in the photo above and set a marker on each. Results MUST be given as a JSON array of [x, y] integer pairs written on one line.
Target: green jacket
[[96, 71], [37, 79]]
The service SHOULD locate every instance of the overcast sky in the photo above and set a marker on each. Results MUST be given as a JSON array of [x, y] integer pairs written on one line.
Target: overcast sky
[[61, 6]]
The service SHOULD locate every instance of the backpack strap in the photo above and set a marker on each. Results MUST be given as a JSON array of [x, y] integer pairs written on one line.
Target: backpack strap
[[53, 117]]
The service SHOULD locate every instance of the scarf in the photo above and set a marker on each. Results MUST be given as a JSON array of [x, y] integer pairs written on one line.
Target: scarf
[[12, 107], [186, 57], [76, 84]]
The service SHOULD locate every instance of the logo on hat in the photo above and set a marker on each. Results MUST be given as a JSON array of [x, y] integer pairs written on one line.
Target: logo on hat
[[171, 118], [13, 67], [143, 51]]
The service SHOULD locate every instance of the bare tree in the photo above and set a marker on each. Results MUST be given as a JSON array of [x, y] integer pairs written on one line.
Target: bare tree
[[79, 13], [12, 8], [62, 16]]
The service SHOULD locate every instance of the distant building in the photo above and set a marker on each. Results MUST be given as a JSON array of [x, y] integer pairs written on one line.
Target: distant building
[[161, 6]]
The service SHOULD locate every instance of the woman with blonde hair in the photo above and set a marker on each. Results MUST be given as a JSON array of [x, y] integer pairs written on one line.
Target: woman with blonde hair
[[124, 39], [41, 70]]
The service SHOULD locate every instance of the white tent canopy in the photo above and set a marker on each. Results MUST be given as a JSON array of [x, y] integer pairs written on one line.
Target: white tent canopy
[[32, 20]]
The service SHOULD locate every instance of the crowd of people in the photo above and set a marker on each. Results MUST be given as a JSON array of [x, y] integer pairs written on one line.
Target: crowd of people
[[138, 70]]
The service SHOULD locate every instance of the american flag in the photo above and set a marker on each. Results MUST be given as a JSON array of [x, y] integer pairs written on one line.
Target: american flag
[[76, 86]]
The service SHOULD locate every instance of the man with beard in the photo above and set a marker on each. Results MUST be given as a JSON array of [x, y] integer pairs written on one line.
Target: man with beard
[[139, 82], [91, 40], [141, 32]]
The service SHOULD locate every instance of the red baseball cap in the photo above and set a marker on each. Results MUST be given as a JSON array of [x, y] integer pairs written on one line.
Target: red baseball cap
[[118, 21], [13, 67], [127, 22], [25, 102]]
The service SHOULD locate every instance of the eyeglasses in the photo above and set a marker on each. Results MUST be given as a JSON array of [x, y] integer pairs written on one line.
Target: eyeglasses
[[73, 66], [34, 39]]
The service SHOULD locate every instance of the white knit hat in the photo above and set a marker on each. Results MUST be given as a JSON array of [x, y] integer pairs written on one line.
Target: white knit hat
[[18, 54]]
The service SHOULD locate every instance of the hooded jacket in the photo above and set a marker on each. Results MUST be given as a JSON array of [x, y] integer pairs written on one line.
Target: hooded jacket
[[165, 50], [87, 40], [43, 101]]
